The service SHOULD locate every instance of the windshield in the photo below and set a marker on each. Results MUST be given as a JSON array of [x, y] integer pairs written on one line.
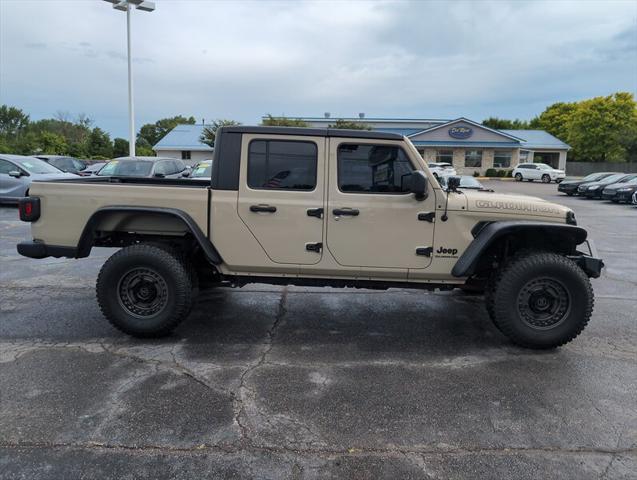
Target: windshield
[[594, 176], [35, 165], [544, 166], [202, 170], [469, 182], [613, 178], [126, 168]]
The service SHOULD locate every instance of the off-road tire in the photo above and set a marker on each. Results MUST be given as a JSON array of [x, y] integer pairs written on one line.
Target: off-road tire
[[546, 178], [573, 300], [173, 288], [518, 177]]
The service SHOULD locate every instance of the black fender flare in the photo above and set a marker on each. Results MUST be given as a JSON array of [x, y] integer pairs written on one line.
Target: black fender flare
[[491, 232], [88, 234]]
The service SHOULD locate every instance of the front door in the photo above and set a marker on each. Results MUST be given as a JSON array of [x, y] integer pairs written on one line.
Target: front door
[[281, 196], [373, 221]]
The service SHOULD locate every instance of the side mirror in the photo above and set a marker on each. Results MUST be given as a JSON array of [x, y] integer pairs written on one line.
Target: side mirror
[[186, 173], [15, 173], [418, 185], [453, 183]]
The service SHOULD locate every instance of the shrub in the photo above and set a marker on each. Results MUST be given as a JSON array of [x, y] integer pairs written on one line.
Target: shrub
[[491, 172], [476, 174], [502, 173], [509, 174]]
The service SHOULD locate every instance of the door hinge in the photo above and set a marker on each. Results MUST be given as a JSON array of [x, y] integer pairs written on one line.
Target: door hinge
[[427, 216], [314, 247], [315, 212], [424, 251]]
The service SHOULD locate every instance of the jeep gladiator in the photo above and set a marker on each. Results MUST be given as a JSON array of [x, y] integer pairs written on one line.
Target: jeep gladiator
[[321, 207]]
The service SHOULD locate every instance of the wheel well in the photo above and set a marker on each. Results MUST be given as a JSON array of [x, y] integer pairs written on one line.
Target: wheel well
[[516, 243], [496, 242], [124, 226]]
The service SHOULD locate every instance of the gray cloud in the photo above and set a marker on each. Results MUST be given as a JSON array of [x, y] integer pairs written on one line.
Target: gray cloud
[[243, 59]]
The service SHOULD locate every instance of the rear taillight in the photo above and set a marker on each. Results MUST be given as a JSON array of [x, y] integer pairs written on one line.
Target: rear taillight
[[29, 208]]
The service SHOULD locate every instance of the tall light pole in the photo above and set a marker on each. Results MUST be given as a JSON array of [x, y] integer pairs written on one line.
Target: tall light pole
[[127, 6]]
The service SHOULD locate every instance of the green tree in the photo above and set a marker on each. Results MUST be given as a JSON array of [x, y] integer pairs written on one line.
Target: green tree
[[154, 132], [604, 129], [143, 148], [210, 132], [556, 119], [120, 147], [51, 143], [12, 121], [270, 121], [505, 124], [99, 144], [340, 123]]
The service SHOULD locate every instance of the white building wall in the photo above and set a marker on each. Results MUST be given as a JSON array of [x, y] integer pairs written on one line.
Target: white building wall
[[195, 155]]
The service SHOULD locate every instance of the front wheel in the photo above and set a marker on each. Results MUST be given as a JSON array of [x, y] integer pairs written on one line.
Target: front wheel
[[541, 300], [546, 178], [144, 291], [518, 177]]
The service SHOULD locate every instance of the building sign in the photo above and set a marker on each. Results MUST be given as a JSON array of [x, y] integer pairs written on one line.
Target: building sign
[[460, 132]]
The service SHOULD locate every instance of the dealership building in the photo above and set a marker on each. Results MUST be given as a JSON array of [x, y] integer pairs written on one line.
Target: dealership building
[[468, 145]]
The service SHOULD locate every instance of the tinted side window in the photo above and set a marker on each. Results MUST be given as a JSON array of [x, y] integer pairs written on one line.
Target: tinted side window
[[372, 169], [179, 166], [6, 167], [282, 165], [163, 167]]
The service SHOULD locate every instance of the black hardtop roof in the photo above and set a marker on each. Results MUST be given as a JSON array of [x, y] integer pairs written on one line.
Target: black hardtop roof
[[313, 132]]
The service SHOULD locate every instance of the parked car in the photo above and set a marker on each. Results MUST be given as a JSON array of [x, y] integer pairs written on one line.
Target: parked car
[[66, 164], [93, 168], [538, 171], [466, 182], [18, 171], [569, 186], [621, 191], [158, 167], [594, 189], [202, 169], [442, 168]]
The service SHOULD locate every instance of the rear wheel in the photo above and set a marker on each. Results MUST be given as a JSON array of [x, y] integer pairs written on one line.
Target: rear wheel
[[546, 178], [518, 177], [541, 300], [144, 291]]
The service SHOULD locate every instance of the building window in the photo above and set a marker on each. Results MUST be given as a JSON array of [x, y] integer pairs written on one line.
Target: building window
[[473, 158], [444, 156], [524, 156], [185, 154], [372, 169], [502, 159], [421, 151], [282, 165]]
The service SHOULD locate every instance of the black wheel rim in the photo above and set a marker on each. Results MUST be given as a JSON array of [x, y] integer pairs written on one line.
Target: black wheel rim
[[543, 303], [142, 292]]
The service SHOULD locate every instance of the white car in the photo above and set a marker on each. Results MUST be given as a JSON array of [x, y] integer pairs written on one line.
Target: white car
[[440, 169], [538, 171]]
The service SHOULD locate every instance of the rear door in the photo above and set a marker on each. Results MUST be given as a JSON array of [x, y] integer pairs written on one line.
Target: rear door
[[10, 187], [281, 195], [373, 221]]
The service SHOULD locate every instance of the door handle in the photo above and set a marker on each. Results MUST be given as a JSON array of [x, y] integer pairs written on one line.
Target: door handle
[[315, 212], [262, 208], [352, 212]]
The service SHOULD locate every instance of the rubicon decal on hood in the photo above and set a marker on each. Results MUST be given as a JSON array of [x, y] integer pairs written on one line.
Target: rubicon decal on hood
[[517, 206]]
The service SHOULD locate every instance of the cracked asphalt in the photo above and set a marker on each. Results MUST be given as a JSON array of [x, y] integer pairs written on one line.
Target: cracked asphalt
[[269, 382]]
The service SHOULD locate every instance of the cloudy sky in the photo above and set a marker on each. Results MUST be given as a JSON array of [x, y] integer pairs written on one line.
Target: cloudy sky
[[242, 59]]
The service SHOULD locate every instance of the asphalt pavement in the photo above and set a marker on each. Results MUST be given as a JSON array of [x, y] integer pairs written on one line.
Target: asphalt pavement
[[269, 382]]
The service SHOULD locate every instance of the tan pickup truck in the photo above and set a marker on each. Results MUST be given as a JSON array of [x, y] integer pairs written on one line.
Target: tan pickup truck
[[321, 207]]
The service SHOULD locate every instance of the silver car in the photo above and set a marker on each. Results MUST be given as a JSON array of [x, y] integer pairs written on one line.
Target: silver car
[[158, 167], [18, 171]]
